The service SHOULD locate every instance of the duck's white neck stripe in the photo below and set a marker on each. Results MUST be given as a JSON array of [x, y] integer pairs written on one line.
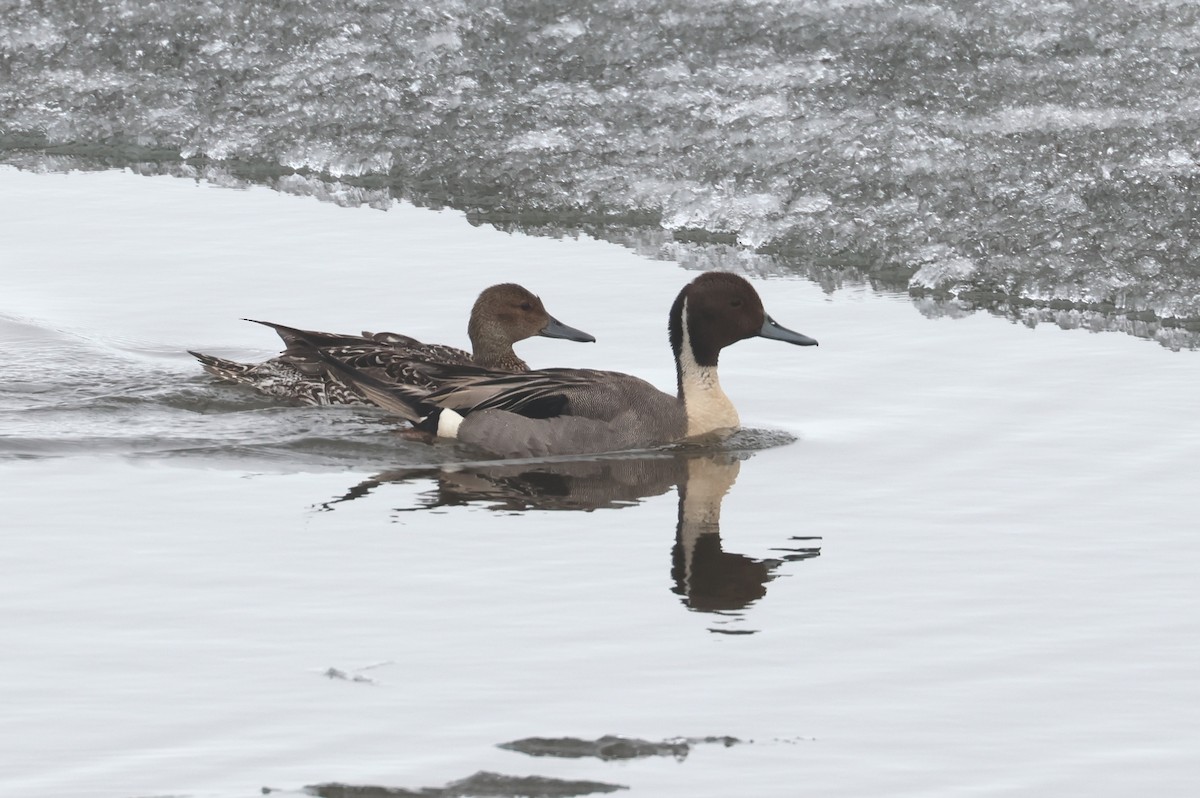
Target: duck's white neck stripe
[[708, 408]]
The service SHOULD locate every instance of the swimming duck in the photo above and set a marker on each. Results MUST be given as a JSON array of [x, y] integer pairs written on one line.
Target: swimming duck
[[502, 315], [576, 411]]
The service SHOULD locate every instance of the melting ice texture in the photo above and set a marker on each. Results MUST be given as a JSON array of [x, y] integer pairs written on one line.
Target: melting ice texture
[[1037, 159]]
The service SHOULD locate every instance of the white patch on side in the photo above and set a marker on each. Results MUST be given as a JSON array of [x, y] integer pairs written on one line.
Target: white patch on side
[[448, 423], [708, 408]]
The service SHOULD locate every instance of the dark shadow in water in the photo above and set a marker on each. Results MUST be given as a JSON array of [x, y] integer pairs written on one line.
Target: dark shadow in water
[[708, 578], [705, 576], [516, 487], [611, 747], [606, 748], [483, 783]]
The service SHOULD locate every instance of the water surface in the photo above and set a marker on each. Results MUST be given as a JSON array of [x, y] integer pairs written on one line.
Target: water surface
[[955, 555]]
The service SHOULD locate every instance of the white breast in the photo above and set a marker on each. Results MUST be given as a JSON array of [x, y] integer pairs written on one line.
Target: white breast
[[708, 408]]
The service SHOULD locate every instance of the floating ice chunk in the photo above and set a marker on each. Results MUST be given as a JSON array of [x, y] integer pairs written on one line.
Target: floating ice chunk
[[1062, 200], [713, 209], [554, 140], [1054, 117], [942, 269], [1178, 157], [1148, 266], [566, 29], [674, 72], [810, 203], [758, 108], [40, 34], [1176, 161], [442, 40], [759, 232]]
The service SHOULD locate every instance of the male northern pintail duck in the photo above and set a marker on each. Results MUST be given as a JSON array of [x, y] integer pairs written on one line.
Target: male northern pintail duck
[[576, 411], [502, 315]]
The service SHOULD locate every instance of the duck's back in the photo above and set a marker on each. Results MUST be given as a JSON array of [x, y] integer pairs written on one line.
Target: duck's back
[[395, 361], [609, 412]]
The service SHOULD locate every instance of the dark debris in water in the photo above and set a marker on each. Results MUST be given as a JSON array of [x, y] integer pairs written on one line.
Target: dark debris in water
[[610, 746], [340, 675], [483, 784], [486, 784]]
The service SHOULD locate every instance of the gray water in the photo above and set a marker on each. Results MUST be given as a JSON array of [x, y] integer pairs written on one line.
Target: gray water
[[947, 555]]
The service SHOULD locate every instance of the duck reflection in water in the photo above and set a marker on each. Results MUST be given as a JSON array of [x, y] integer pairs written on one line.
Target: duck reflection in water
[[708, 578]]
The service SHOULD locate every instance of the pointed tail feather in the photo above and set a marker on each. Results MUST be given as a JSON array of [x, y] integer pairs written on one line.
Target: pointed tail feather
[[222, 369], [288, 334], [407, 401], [297, 341]]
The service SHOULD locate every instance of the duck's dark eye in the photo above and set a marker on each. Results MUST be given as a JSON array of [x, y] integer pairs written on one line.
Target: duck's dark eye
[[735, 303], [526, 306]]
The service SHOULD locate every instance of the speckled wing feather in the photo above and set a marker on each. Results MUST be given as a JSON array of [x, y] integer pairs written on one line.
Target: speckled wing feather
[[405, 399], [428, 385], [382, 354], [407, 365], [299, 374], [282, 380]]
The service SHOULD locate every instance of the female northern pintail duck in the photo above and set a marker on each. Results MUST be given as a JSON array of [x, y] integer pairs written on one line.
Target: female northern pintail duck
[[502, 315], [576, 411]]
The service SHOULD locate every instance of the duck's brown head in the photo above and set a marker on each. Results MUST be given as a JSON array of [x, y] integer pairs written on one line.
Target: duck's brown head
[[718, 309], [506, 313]]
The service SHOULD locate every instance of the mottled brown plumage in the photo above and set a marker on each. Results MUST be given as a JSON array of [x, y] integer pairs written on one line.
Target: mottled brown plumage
[[502, 315]]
